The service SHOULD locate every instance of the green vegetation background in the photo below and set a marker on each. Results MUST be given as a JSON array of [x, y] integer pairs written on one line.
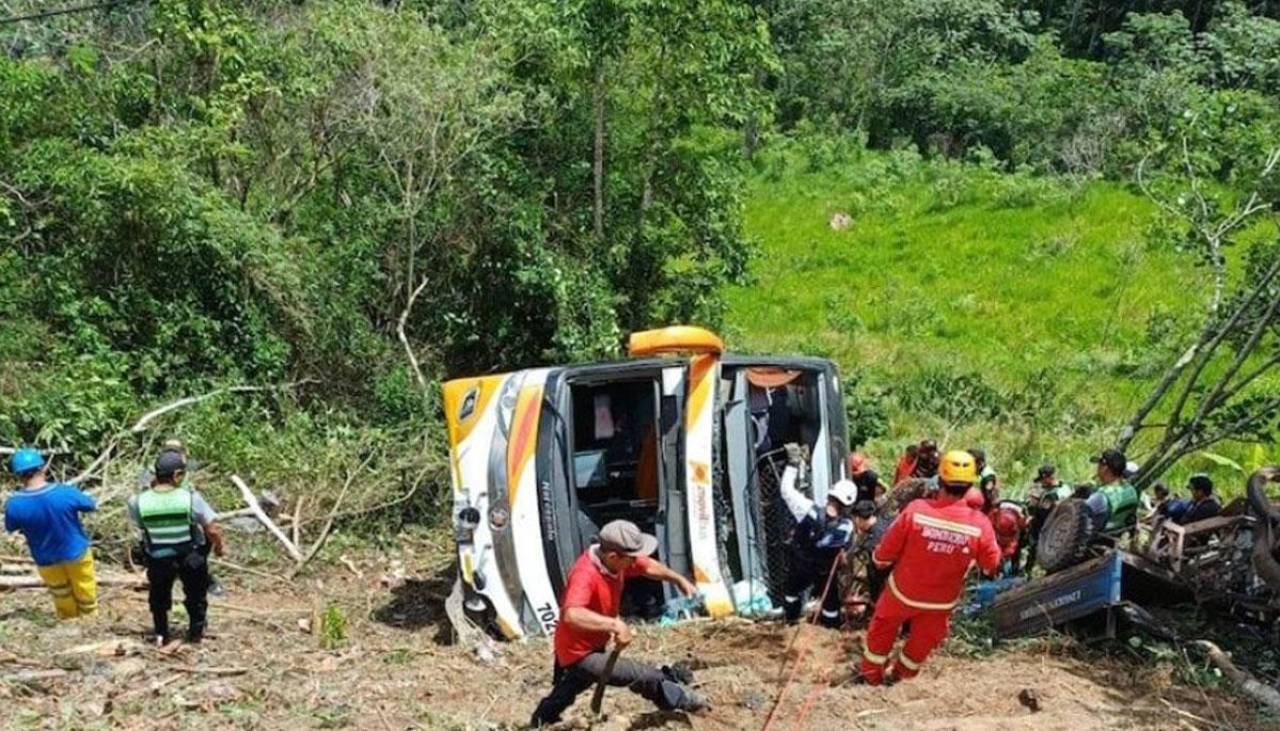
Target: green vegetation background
[[197, 195], [1024, 315]]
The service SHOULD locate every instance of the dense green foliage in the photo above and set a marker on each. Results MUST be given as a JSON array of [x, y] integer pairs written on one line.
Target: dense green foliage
[[201, 193]]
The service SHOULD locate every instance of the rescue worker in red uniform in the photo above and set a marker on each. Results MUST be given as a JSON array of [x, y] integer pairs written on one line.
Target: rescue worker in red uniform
[[1010, 524], [931, 546]]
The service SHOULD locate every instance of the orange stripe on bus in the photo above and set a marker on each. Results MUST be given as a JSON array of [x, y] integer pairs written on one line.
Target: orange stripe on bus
[[700, 383], [523, 438]]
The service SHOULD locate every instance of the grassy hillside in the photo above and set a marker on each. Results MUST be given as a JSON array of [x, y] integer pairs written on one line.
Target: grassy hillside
[[1024, 315]]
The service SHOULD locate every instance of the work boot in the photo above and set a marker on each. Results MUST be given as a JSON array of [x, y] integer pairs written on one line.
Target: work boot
[[831, 620], [694, 702], [680, 673], [161, 624], [857, 677]]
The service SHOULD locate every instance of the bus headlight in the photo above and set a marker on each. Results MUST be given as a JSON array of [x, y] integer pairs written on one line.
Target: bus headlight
[[464, 529]]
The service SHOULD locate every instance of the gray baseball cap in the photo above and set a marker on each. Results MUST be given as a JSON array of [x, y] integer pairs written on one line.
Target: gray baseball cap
[[624, 536]]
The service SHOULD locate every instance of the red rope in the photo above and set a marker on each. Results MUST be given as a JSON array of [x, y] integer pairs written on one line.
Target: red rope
[[768, 721], [823, 679]]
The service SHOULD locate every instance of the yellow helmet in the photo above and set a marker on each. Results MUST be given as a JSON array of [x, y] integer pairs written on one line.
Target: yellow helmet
[[957, 467]]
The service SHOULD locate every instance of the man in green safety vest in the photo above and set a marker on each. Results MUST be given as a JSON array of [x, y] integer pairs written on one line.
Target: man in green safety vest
[[178, 528], [1114, 503]]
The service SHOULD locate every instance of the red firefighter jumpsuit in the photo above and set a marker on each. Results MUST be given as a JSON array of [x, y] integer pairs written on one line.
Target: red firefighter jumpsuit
[[932, 545]]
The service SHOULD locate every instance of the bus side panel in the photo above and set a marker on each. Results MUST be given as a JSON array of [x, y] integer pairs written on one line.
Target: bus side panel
[[560, 541], [526, 522], [472, 407], [704, 374], [839, 424], [673, 529]]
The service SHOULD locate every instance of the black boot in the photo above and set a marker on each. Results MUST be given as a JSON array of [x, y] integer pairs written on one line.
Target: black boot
[[161, 624]]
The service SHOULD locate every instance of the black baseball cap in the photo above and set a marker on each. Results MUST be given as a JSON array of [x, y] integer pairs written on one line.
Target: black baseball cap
[[168, 463], [1201, 482], [1046, 470], [864, 509], [1114, 459]]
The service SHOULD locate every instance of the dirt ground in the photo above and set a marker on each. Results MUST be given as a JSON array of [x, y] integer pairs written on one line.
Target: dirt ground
[[262, 668]]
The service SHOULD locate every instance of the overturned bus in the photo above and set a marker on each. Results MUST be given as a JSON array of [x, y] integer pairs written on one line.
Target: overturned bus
[[681, 439]]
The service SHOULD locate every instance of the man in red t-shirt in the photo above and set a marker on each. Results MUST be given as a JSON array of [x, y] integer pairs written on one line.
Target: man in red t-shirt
[[589, 617], [931, 546]]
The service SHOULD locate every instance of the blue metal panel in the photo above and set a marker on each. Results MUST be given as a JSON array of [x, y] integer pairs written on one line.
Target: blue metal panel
[[1078, 592]]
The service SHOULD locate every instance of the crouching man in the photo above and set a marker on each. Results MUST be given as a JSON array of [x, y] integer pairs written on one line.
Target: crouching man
[[589, 617]]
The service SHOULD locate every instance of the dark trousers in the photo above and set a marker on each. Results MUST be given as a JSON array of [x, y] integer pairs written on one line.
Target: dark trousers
[[660, 685], [875, 580], [805, 575], [193, 571]]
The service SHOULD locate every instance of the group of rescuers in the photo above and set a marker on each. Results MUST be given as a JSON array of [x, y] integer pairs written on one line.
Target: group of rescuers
[[175, 527], [915, 570], [915, 575]]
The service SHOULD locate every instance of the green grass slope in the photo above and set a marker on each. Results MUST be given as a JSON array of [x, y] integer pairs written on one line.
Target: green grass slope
[[1024, 315]]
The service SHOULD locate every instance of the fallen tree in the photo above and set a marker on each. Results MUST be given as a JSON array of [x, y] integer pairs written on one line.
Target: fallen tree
[[1249, 685], [1216, 389]]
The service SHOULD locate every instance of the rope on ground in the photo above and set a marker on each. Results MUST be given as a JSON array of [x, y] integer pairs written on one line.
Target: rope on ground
[[768, 722], [824, 678]]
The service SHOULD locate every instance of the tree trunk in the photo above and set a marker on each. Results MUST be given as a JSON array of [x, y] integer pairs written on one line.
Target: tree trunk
[[598, 155]]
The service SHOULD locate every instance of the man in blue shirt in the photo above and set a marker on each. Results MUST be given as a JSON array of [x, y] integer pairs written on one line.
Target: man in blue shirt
[[48, 515]]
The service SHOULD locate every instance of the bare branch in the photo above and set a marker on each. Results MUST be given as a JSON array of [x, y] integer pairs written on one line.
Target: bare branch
[[404, 339], [266, 521], [1211, 401], [1180, 438], [333, 512]]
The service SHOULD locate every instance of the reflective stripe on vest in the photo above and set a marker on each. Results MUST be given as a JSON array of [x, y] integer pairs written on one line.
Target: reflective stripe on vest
[[166, 516]]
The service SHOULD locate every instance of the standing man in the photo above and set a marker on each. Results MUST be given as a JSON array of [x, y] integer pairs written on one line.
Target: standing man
[[988, 482], [589, 617], [1114, 503], [918, 461], [176, 523], [931, 546], [865, 478], [868, 531], [821, 535], [1203, 503], [48, 516]]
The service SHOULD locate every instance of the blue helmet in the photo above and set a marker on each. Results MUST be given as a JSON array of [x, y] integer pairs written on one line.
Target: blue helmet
[[26, 460]]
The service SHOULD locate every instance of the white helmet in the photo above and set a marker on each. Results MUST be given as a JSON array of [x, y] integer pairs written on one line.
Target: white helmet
[[843, 492]]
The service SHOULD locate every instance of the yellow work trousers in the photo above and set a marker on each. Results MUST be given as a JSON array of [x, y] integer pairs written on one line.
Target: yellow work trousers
[[73, 586]]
